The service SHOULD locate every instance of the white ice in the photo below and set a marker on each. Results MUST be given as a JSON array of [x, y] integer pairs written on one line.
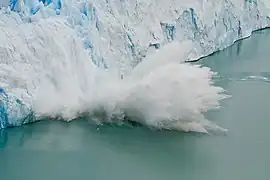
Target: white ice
[[63, 61]]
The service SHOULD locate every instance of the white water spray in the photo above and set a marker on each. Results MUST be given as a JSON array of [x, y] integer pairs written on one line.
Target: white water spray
[[51, 73]]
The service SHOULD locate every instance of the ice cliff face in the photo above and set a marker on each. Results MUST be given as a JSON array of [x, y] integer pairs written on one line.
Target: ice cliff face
[[44, 57], [116, 35], [138, 27], [121, 33]]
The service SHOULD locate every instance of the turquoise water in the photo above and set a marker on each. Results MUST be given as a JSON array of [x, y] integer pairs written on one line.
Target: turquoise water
[[51, 150]]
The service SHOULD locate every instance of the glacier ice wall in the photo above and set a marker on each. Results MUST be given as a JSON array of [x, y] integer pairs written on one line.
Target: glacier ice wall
[[128, 30], [120, 33], [116, 35], [35, 57], [46, 72]]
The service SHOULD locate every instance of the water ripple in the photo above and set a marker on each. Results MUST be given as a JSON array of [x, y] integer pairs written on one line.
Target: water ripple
[[261, 77]]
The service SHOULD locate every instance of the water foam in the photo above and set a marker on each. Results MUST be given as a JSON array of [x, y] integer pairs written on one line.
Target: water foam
[[51, 75]]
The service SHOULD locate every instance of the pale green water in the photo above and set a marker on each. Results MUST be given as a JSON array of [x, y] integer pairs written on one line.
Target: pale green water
[[77, 151]]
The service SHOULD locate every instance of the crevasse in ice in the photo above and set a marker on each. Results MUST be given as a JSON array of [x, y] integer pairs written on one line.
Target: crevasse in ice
[[116, 34]]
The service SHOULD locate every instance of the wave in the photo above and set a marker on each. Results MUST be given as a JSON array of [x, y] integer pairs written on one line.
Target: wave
[[48, 73], [262, 77]]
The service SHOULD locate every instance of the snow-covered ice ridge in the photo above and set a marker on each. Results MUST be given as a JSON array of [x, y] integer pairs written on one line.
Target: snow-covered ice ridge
[[42, 60], [117, 31]]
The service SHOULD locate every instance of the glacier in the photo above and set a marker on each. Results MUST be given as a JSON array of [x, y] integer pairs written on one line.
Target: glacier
[[129, 30], [62, 58]]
